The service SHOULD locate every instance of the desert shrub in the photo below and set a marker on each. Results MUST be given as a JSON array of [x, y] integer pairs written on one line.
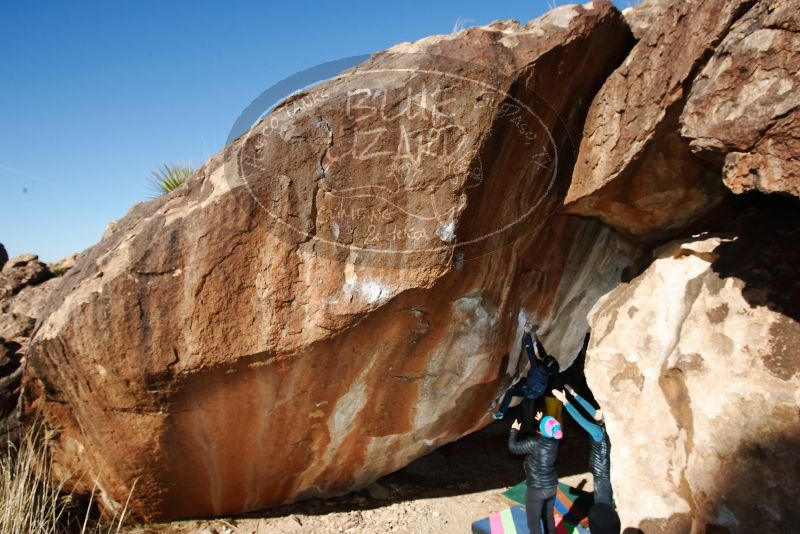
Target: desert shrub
[[169, 177]]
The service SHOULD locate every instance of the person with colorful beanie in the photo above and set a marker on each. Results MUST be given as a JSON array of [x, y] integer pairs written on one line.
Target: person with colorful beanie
[[541, 479]]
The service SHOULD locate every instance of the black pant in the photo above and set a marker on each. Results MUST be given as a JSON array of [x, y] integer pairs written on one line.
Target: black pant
[[539, 505], [602, 491]]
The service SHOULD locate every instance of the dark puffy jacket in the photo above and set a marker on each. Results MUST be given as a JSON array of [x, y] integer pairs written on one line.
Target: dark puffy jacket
[[600, 457], [540, 371], [540, 459], [600, 452]]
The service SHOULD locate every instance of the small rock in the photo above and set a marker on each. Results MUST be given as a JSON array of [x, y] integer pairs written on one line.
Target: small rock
[[22, 271], [14, 326], [378, 492], [5, 353], [63, 265], [20, 261]]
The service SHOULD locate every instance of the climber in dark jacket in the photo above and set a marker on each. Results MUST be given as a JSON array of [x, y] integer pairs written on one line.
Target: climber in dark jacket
[[600, 453], [535, 383], [541, 479]]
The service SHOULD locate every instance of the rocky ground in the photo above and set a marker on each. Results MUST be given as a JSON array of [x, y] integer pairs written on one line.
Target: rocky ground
[[441, 493]]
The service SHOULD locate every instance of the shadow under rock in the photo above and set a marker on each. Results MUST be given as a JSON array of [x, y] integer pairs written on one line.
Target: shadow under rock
[[475, 463], [765, 253]]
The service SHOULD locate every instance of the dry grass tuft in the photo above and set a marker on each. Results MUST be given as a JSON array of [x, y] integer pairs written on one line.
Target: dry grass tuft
[[32, 503]]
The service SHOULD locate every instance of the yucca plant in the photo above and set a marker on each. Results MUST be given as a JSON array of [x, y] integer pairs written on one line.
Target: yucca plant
[[170, 176]]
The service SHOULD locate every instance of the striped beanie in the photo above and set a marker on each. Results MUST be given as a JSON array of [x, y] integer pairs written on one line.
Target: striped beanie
[[550, 427]]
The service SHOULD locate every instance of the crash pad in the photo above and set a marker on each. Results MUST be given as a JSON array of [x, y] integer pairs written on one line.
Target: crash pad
[[571, 508], [513, 521]]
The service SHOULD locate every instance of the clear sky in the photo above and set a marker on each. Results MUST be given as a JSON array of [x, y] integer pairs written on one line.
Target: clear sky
[[94, 95]]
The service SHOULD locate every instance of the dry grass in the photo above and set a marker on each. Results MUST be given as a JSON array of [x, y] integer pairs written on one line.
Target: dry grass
[[31, 502]]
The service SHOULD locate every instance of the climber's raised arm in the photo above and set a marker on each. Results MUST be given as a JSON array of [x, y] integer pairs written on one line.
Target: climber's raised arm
[[594, 430], [533, 347], [526, 446]]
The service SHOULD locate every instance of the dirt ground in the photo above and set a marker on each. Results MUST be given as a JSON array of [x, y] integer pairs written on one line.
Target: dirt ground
[[441, 493]]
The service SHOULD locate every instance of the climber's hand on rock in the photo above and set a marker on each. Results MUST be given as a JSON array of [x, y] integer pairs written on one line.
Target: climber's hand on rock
[[516, 425]]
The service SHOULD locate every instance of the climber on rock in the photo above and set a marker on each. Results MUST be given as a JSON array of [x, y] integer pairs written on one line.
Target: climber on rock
[[534, 385], [600, 453], [541, 479]]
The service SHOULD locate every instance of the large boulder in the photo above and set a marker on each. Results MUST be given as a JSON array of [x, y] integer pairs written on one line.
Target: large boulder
[[744, 106], [634, 171], [696, 364], [312, 310]]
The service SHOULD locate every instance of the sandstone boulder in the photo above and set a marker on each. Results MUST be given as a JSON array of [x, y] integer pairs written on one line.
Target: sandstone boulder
[[642, 17], [696, 365], [634, 171], [744, 106], [19, 272], [342, 290]]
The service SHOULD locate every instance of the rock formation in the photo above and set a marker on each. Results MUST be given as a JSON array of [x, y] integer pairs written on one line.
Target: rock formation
[[25, 284], [744, 106], [19, 272], [696, 363], [645, 15], [634, 171], [342, 289]]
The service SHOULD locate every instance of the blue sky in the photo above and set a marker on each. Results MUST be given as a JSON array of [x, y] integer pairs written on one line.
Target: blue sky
[[94, 95]]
